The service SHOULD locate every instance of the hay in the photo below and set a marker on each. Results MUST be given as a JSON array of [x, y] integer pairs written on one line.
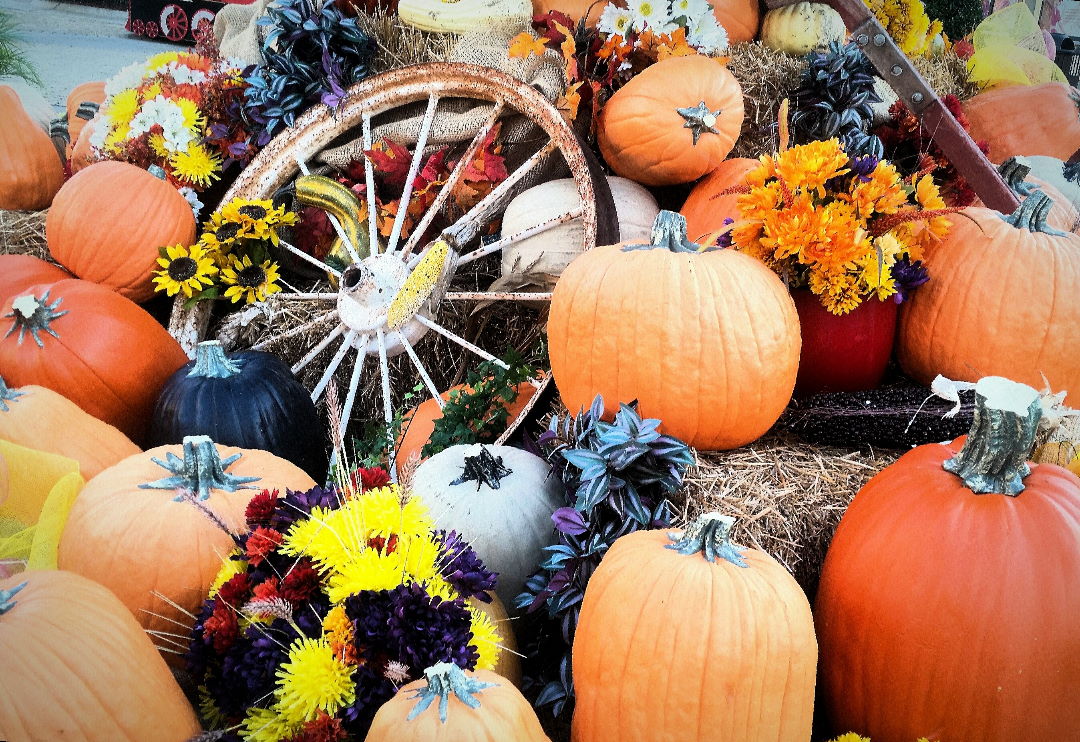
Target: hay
[[946, 74], [786, 495], [767, 77], [400, 44], [23, 233]]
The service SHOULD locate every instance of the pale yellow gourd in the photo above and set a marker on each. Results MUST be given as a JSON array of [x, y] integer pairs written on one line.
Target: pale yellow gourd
[[801, 28], [460, 16]]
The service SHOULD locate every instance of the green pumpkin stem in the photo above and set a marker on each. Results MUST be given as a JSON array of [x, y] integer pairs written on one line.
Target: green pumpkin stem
[[7, 394], [484, 468], [200, 470], [1032, 212], [1013, 171], [34, 315], [994, 456], [7, 597], [442, 680], [669, 232], [212, 363], [710, 536]]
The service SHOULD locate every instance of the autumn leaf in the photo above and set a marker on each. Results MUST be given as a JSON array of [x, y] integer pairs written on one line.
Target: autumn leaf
[[391, 161], [568, 103], [525, 45], [675, 46], [483, 172]]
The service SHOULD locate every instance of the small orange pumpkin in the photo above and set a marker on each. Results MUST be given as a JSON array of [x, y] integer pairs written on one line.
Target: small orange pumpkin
[[1026, 120], [77, 667], [30, 169], [82, 155], [740, 18], [673, 123], [706, 341], [707, 205], [108, 222], [141, 527], [19, 272], [452, 705], [696, 640], [82, 105]]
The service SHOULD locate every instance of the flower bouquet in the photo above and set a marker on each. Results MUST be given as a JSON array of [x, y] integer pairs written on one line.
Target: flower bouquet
[[331, 602]]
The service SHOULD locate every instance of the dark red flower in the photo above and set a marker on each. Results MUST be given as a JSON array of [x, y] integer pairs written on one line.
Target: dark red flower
[[379, 543], [261, 542], [370, 478], [261, 508], [235, 592], [322, 728], [222, 628], [300, 583]]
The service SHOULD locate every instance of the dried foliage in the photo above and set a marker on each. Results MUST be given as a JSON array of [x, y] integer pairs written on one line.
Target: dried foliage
[[767, 77], [23, 233]]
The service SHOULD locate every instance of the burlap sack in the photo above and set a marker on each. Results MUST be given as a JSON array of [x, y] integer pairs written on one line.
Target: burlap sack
[[238, 35]]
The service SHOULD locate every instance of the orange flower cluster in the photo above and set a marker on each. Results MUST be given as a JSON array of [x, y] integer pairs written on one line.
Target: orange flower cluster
[[837, 225]]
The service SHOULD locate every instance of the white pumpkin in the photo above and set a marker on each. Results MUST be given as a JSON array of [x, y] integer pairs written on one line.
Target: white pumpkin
[[461, 16], [543, 257], [888, 97], [508, 524], [1051, 170], [801, 28]]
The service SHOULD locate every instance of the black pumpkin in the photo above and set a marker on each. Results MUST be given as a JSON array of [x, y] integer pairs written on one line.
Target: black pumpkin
[[248, 399]]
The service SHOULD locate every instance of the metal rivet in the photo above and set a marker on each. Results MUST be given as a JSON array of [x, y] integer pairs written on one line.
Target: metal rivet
[[862, 39], [879, 39], [916, 97], [897, 70]]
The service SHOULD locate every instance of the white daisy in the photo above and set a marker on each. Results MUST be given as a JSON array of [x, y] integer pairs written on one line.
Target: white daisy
[[170, 117], [615, 20], [648, 13], [689, 10], [101, 129], [706, 35], [128, 77]]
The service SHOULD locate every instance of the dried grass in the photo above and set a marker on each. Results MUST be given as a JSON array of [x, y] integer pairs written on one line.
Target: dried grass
[[400, 44], [23, 233], [946, 74], [767, 77]]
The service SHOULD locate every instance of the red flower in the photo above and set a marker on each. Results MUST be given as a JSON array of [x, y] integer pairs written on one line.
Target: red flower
[[370, 478], [322, 728], [266, 590], [300, 583], [235, 592], [222, 628], [261, 508], [261, 542], [378, 543]]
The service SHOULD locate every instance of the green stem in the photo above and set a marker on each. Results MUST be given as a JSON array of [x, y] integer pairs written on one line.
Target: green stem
[[34, 315], [1032, 212], [709, 535], [1013, 171], [7, 601], [7, 394], [668, 232], [200, 470], [484, 468], [442, 680], [994, 456], [212, 363]]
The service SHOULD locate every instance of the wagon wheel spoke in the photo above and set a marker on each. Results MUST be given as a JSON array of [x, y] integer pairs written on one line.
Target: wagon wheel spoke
[[472, 348], [319, 348], [354, 385], [336, 361], [298, 330], [311, 259], [414, 168], [420, 368], [369, 183], [388, 407], [502, 242], [497, 296]]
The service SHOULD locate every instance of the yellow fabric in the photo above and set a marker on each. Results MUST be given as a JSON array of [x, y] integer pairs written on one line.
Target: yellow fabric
[[1010, 50], [41, 489]]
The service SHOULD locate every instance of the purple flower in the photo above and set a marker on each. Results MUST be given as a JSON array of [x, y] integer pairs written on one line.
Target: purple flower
[[908, 277], [298, 505], [462, 568], [724, 240], [863, 166]]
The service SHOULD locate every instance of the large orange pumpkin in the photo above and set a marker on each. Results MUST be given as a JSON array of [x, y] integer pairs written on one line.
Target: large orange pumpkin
[[452, 705], [107, 223], [19, 272], [84, 99], [707, 205], [1001, 300], [30, 169], [77, 667], [707, 342], [1026, 120], [37, 417], [948, 614], [92, 345], [693, 641], [673, 123], [135, 531]]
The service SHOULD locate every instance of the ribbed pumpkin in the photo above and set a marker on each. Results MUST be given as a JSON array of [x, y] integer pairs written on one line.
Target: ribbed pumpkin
[[452, 705], [82, 156], [37, 417], [801, 27], [91, 345], [947, 608], [461, 16], [740, 18], [107, 223], [77, 667], [1026, 120], [672, 123], [705, 208], [1001, 300], [19, 272], [696, 640], [247, 399], [707, 342], [133, 529], [30, 169], [82, 105]]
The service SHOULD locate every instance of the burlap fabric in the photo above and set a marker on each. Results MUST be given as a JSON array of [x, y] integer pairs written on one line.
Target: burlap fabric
[[237, 33]]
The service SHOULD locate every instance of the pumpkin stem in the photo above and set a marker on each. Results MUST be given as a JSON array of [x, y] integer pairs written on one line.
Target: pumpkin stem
[[668, 231], [710, 535], [212, 363], [1013, 171], [200, 470], [484, 468], [1032, 212], [994, 456], [34, 315], [7, 601], [699, 120], [7, 394], [442, 680]]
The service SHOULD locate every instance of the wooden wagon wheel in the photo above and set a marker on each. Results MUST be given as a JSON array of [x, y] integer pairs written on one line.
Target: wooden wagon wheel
[[384, 304]]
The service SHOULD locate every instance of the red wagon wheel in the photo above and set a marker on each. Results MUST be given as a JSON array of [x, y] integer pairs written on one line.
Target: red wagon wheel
[[202, 21], [174, 22]]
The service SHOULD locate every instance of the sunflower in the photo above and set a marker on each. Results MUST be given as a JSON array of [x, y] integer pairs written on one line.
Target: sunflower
[[197, 165], [186, 269], [221, 233], [259, 219], [250, 282]]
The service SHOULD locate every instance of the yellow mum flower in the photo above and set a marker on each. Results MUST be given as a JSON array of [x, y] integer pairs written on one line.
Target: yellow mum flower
[[229, 568], [184, 269], [198, 165], [312, 680], [249, 282], [159, 60], [368, 570], [421, 558], [193, 117], [851, 737], [486, 639], [384, 513], [151, 91], [123, 106], [266, 725], [809, 166], [312, 537], [158, 147], [838, 291]]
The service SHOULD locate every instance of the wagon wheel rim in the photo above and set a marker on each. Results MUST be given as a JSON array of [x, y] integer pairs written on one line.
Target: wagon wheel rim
[[356, 325]]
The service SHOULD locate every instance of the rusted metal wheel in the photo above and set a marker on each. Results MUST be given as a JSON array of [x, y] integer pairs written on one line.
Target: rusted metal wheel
[[369, 315]]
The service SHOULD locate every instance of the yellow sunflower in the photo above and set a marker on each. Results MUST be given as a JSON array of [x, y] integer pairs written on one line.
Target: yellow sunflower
[[259, 219], [184, 269], [249, 282]]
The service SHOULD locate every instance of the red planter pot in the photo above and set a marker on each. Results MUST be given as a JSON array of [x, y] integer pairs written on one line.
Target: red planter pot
[[843, 353]]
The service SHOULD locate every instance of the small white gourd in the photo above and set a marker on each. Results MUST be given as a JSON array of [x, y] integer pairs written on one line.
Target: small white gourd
[[500, 499], [802, 27], [462, 16]]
